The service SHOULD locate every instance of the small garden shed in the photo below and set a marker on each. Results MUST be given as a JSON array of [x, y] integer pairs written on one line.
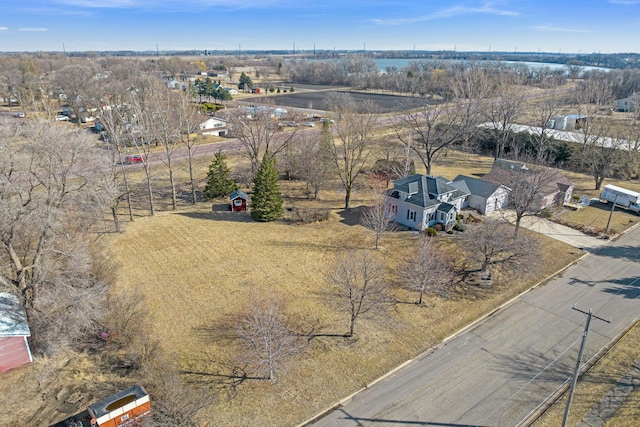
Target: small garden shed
[[239, 201], [14, 347]]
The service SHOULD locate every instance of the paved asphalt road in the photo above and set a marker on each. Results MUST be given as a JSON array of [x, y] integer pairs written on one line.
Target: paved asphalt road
[[500, 370]]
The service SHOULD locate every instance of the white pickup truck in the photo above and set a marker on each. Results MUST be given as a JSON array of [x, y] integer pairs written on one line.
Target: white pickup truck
[[622, 197]]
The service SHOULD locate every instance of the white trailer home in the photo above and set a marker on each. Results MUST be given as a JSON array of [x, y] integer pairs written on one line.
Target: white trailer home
[[627, 199]]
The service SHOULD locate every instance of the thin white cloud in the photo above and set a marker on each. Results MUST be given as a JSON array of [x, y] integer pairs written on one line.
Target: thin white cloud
[[550, 29], [488, 8], [33, 29], [625, 2], [169, 4], [4, 28]]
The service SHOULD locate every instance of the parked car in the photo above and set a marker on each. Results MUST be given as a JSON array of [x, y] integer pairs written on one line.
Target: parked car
[[292, 124], [62, 118], [20, 115], [307, 124], [134, 158], [331, 121]]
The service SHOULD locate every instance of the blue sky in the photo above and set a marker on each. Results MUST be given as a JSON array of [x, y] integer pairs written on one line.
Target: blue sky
[[567, 26]]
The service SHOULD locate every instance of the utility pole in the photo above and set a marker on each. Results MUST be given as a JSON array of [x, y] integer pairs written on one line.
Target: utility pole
[[574, 380], [613, 206]]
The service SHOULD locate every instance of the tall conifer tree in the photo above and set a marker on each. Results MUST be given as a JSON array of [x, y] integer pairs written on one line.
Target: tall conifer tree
[[266, 200]]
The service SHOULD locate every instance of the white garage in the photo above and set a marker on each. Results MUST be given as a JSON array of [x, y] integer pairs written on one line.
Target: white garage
[[485, 196]]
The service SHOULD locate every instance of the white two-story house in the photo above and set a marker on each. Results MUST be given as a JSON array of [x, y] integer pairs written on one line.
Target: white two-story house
[[421, 201]]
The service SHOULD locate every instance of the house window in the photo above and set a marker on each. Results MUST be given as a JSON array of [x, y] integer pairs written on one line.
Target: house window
[[411, 215], [237, 202]]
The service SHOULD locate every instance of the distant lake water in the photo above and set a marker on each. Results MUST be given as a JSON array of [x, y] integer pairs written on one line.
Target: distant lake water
[[401, 63]]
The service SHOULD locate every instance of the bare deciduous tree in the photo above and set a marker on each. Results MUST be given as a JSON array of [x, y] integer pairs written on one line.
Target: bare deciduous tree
[[505, 106], [528, 188], [189, 121], [139, 137], [162, 124], [378, 218], [351, 145], [492, 243], [431, 129], [49, 184], [259, 131], [360, 286], [597, 151], [116, 118], [429, 271], [266, 340], [544, 110], [176, 402]]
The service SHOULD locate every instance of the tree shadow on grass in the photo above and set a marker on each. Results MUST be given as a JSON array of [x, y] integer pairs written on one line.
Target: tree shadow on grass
[[219, 216], [351, 216]]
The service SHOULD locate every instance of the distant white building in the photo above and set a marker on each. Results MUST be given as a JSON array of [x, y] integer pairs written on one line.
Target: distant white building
[[568, 122], [214, 126]]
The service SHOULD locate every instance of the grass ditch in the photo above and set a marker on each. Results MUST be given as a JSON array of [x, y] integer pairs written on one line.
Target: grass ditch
[[593, 385]]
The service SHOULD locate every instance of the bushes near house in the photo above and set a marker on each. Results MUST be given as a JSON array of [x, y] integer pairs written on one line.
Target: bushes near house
[[546, 213], [431, 231], [209, 107], [308, 216]]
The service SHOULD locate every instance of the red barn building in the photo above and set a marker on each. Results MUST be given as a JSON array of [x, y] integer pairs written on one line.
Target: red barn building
[[14, 347], [239, 201]]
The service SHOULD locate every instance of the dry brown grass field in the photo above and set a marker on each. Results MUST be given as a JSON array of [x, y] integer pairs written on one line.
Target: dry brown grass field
[[195, 266]]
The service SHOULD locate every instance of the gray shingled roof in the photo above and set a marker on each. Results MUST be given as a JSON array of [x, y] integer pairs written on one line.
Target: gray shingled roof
[[13, 322], [429, 188], [238, 193], [478, 187]]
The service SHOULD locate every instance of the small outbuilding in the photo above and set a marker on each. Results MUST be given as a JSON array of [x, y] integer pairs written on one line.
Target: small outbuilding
[[126, 408], [14, 347], [239, 201]]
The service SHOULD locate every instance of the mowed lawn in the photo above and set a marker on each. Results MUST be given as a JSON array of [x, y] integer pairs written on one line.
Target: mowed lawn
[[196, 267]]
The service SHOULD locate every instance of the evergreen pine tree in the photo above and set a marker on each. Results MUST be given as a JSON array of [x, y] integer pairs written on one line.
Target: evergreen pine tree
[[218, 182], [266, 200]]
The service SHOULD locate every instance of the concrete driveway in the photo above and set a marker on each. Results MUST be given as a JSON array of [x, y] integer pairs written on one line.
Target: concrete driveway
[[559, 232]]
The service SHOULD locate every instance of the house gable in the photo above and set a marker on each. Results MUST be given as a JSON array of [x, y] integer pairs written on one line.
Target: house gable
[[420, 201]]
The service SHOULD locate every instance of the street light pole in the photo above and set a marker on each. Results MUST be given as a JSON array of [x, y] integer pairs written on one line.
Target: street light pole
[[574, 380]]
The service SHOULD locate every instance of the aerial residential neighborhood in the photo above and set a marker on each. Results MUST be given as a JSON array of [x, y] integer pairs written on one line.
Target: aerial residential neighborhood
[[439, 229]]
